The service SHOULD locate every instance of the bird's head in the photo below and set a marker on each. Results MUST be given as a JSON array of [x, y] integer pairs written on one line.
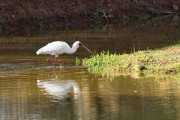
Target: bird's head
[[79, 44]]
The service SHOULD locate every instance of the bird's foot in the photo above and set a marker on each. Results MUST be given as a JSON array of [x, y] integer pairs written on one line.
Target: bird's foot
[[57, 62]]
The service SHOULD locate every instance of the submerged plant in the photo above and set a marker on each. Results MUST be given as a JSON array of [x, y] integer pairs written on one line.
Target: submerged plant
[[78, 61]]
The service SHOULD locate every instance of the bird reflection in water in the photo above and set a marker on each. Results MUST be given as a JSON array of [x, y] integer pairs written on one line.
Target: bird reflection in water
[[59, 89]]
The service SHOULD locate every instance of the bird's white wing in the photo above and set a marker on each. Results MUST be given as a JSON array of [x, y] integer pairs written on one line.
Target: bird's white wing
[[53, 48]]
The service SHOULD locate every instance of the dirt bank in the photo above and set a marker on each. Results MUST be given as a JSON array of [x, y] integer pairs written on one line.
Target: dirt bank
[[29, 14]]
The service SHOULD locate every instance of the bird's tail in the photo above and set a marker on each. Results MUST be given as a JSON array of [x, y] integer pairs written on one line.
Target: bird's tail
[[40, 51]]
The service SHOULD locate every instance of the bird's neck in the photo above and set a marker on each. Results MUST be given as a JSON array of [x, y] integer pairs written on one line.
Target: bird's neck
[[72, 50]]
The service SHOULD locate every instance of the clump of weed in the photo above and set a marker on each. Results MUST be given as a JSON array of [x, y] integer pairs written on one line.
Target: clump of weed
[[164, 61], [78, 61]]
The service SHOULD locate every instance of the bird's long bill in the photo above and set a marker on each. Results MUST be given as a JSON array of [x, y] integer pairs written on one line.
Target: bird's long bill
[[87, 49]]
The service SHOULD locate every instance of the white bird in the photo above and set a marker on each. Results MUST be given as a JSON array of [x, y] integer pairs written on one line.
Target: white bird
[[59, 47]]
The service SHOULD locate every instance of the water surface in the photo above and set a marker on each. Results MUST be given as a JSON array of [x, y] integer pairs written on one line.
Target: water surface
[[31, 89]]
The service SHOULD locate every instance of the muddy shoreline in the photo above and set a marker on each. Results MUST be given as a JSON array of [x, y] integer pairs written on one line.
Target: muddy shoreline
[[17, 15]]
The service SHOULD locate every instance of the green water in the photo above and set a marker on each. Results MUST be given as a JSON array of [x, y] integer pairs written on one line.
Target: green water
[[30, 89]]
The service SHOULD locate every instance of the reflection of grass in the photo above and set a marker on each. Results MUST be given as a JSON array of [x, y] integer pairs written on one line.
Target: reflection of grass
[[150, 63]]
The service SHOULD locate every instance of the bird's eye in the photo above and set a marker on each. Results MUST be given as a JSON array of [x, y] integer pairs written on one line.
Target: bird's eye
[[80, 44]]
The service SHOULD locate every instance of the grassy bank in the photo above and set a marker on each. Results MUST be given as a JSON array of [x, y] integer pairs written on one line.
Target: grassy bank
[[148, 63]]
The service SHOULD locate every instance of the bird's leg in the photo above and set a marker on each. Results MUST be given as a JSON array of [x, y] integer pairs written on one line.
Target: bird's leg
[[50, 59], [55, 61], [58, 62], [54, 67]]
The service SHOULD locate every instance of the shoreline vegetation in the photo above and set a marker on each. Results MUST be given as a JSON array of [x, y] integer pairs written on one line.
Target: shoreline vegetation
[[158, 63], [18, 15]]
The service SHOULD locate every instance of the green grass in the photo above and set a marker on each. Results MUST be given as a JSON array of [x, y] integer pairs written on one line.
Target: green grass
[[149, 63]]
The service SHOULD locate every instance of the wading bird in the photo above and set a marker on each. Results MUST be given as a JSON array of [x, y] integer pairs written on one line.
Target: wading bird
[[59, 47]]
